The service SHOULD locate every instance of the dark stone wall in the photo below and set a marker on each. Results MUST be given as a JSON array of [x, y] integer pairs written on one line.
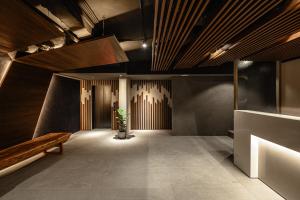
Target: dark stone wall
[[21, 98], [202, 105], [257, 86], [61, 110]]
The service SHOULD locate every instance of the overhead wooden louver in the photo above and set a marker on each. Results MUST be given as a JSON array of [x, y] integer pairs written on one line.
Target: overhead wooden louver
[[270, 33], [233, 18], [283, 51], [173, 22]]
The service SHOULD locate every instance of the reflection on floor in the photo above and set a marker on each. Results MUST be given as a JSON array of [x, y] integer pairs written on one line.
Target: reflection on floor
[[148, 166]]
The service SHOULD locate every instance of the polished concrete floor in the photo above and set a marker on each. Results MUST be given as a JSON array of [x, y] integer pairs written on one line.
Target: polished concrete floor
[[147, 166]]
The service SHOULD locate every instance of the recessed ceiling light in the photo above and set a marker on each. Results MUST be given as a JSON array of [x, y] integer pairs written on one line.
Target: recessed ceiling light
[[144, 45], [184, 75]]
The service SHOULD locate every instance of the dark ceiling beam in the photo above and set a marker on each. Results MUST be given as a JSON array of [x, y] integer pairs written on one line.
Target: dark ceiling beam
[[74, 16], [20, 27]]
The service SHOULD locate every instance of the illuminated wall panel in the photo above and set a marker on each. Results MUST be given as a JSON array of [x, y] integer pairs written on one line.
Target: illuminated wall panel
[[151, 104]]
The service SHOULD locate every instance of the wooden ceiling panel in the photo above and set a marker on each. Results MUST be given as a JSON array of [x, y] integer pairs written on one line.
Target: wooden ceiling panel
[[21, 27], [173, 22], [286, 50], [264, 37], [90, 53], [234, 17]]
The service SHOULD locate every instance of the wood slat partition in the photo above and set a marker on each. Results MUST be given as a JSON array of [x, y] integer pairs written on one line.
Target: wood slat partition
[[86, 101], [233, 18], [151, 104], [173, 22], [270, 33], [85, 105]]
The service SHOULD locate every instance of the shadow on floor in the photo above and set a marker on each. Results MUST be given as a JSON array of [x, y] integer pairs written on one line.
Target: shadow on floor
[[10, 181], [128, 137]]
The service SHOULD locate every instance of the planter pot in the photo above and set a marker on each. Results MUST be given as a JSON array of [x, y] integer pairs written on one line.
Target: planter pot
[[121, 135]]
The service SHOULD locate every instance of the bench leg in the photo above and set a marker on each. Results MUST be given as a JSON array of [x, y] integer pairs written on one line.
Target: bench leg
[[61, 148]]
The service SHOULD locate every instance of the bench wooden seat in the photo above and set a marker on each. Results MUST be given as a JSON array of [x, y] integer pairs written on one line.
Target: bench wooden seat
[[25, 150]]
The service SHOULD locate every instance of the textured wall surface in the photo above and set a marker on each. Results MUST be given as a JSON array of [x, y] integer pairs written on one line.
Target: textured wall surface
[[60, 111], [202, 105], [21, 98], [151, 104], [257, 86]]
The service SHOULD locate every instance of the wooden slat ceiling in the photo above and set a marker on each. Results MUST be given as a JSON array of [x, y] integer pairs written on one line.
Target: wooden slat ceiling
[[97, 52], [233, 18], [270, 33], [286, 50], [20, 27], [173, 22]]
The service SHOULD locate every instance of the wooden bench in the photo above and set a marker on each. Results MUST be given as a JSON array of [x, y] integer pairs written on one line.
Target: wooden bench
[[25, 150]]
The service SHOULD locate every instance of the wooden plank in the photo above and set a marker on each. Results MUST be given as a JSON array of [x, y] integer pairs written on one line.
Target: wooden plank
[[20, 152]]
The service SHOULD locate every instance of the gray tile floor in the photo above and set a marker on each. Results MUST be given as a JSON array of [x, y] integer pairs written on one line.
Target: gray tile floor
[[148, 166]]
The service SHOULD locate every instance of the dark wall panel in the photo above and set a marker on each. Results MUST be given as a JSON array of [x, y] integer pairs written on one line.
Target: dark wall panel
[[21, 98], [102, 106], [61, 109], [257, 86], [202, 105]]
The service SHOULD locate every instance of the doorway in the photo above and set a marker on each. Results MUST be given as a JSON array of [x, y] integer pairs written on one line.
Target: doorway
[[102, 98]]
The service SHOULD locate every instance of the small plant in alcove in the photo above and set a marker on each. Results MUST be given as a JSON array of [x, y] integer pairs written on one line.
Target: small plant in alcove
[[121, 119]]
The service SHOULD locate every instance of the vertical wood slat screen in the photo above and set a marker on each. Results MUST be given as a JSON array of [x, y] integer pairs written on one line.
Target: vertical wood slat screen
[[86, 101], [85, 105], [151, 104]]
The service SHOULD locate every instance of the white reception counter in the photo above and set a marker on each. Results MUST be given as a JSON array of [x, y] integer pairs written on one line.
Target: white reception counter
[[267, 146]]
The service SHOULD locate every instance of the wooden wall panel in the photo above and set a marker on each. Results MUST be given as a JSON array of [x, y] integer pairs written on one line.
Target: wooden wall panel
[[21, 99], [86, 101], [151, 104]]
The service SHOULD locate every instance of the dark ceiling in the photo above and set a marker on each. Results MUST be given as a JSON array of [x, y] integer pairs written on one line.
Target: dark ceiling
[[187, 34]]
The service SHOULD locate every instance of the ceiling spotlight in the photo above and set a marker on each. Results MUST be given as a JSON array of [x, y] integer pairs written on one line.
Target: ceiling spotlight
[[144, 45]]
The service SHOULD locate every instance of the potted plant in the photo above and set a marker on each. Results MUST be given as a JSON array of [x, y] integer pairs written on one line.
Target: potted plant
[[121, 119]]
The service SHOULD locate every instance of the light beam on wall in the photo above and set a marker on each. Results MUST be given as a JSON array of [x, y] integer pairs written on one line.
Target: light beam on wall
[[5, 63], [45, 105]]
